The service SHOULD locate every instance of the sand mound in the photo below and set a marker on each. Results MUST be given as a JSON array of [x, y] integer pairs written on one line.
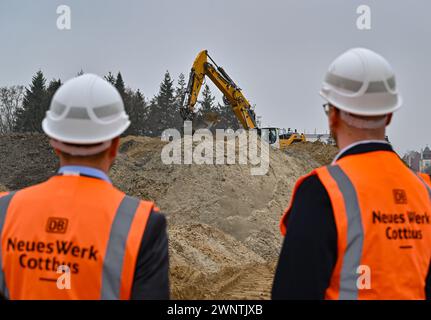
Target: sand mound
[[216, 213], [227, 197], [204, 260], [319, 152], [25, 159], [223, 222]]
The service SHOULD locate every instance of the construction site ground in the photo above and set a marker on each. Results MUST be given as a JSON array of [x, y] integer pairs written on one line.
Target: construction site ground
[[223, 222]]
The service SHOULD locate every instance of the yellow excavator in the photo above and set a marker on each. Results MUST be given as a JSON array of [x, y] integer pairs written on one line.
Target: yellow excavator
[[203, 66]]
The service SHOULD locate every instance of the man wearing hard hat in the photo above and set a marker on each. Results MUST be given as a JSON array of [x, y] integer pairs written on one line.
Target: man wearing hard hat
[[75, 236], [359, 228]]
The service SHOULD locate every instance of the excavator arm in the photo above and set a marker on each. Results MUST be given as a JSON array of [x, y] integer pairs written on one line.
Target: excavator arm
[[232, 93]]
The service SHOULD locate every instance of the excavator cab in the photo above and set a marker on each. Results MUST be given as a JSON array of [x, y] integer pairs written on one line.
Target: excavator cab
[[270, 135]]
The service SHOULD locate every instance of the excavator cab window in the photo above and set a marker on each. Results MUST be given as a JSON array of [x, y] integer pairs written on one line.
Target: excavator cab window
[[286, 136], [272, 136], [269, 135]]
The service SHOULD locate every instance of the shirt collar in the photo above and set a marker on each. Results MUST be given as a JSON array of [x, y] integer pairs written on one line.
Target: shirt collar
[[84, 171], [383, 143]]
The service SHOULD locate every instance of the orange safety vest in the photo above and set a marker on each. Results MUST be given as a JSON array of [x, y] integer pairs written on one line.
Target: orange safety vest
[[382, 213], [80, 222], [426, 177]]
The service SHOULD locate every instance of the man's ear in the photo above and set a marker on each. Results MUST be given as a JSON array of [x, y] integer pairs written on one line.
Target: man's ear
[[389, 119], [334, 118], [113, 149]]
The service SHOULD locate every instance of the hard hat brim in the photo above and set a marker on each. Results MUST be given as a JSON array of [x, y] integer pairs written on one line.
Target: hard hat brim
[[76, 139], [365, 109]]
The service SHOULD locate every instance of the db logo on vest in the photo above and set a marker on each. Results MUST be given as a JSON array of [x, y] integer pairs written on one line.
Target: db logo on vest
[[400, 196], [56, 225]]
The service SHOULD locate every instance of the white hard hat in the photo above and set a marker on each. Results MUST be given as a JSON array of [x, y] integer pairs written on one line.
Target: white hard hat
[[361, 82], [85, 110]]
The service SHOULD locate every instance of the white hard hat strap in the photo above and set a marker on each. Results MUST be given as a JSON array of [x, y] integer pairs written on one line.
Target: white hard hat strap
[[354, 86], [343, 83]]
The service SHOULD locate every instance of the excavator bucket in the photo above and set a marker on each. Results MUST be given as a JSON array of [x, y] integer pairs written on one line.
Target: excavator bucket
[[211, 119], [206, 121]]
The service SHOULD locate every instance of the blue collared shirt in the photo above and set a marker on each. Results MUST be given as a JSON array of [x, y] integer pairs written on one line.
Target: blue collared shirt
[[85, 171]]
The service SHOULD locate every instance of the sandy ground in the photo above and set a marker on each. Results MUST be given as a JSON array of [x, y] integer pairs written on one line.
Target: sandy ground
[[223, 222]]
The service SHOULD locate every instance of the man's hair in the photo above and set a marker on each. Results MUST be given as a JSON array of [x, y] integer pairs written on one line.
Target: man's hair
[[364, 122], [93, 157]]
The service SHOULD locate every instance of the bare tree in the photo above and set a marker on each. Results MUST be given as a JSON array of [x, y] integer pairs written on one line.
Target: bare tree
[[10, 101]]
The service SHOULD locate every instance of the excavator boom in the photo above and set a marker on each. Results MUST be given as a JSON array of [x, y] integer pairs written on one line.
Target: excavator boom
[[204, 66], [201, 68]]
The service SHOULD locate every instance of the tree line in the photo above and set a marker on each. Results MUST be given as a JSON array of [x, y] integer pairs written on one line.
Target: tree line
[[23, 108]]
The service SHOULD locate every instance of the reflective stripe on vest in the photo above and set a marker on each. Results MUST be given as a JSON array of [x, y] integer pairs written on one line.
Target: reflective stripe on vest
[[424, 179], [355, 235], [428, 188], [114, 257], [4, 205]]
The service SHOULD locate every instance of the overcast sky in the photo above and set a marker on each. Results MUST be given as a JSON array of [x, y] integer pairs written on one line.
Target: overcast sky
[[277, 51]]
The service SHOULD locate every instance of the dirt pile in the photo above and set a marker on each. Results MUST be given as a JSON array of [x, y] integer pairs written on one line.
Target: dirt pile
[[25, 159], [319, 152], [198, 246], [223, 222], [222, 219]]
